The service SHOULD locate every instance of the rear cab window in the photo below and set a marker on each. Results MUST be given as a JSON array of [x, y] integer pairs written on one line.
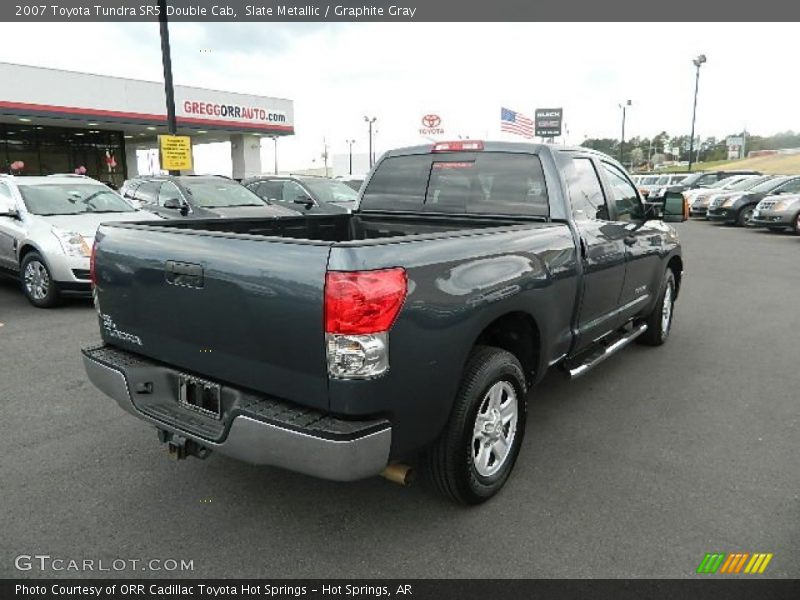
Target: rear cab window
[[487, 183]]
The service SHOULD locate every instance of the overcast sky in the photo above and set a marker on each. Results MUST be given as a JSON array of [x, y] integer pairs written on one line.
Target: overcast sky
[[337, 73]]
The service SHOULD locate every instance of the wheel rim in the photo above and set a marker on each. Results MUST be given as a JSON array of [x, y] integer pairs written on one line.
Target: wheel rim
[[747, 216], [797, 223], [666, 311], [37, 280], [495, 429]]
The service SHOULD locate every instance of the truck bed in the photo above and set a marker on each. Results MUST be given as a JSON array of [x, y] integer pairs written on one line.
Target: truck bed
[[339, 228]]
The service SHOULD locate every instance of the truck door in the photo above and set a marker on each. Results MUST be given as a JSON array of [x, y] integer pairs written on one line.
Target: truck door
[[643, 243], [602, 254]]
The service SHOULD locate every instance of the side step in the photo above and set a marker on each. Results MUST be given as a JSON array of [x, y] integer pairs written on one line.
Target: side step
[[598, 356]]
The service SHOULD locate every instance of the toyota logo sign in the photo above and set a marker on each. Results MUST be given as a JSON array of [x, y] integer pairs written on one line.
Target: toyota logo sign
[[431, 125]]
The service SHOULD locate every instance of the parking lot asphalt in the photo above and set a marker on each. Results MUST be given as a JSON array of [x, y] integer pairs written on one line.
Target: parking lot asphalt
[[636, 470]]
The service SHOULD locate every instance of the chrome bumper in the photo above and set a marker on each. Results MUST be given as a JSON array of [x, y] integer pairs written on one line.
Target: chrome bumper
[[261, 443]]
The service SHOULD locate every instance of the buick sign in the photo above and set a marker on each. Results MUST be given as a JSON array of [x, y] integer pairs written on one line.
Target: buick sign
[[547, 121]]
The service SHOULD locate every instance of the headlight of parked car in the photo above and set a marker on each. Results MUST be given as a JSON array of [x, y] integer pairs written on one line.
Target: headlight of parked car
[[730, 201], [784, 204], [73, 244]]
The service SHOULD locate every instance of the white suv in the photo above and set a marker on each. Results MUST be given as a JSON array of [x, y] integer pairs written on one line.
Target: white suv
[[47, 228]]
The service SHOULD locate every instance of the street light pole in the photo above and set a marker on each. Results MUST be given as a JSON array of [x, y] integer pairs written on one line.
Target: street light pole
[[697, 63], [622, 141], [166, 59], [275, 141], [350, 145], [370, 121]]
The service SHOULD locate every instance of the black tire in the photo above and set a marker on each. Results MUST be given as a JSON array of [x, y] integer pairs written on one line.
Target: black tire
[[657, 333], [744, 216], [37, 282], [449, 466], [796, 227]]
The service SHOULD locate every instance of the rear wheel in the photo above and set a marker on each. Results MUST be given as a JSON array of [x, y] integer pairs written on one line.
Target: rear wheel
[[659, 322], [797, 223], [37, 283], [745, 216], [474, 455]]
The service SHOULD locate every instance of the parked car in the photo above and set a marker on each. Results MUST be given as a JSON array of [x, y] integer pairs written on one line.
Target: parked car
[[778, 213], [701, 179], [350, 345], [312, 195], [699, 198], [353, 182], [47, 228], [737, 207], [198, 197]]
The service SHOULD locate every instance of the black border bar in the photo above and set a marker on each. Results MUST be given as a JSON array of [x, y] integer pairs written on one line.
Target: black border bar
[[733, 588], [399, 11]]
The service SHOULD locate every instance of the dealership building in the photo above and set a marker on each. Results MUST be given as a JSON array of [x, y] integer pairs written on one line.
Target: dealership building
[[56, 121]]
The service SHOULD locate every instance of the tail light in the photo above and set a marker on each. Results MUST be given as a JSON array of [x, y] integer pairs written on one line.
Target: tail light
[[459, 146], [360, 309]]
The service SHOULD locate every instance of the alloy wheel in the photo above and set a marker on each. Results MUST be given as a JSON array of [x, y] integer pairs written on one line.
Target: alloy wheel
[[495, 429]]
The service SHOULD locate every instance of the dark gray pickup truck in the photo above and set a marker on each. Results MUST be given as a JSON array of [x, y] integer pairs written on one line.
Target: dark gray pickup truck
[[406, 333]]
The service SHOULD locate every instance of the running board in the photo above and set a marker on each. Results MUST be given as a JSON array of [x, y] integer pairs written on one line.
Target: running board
[[595, 359]]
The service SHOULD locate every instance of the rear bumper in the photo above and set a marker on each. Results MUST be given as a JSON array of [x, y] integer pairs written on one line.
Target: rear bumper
[[257, 430]]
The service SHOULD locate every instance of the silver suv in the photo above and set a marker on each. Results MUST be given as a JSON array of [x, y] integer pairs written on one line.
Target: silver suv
[[47, 228]]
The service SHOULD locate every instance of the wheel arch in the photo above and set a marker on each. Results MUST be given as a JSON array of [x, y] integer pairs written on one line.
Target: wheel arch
[[675, 264], [518, 333]]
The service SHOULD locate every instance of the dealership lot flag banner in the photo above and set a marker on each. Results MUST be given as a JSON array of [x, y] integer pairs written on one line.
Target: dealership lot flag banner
[[548, 121], [516, 123], [175, 152]]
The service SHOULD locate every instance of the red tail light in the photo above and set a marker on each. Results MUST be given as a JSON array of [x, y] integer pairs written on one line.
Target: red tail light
[[92, 275], [459, 146], [361, 302]]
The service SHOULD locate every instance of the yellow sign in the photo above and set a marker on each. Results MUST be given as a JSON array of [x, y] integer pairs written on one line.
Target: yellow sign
[[175, 152]]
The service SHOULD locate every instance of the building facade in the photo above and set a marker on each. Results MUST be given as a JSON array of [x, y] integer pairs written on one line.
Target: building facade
[[56, 121]]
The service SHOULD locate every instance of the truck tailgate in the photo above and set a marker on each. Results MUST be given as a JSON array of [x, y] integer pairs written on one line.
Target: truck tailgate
[[243, 310]]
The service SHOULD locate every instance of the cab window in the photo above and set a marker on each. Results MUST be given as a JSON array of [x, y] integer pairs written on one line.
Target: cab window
[[586, 192], [624, 196]]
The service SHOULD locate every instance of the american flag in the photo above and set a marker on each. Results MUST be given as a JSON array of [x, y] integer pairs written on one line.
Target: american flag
[[517, 123]]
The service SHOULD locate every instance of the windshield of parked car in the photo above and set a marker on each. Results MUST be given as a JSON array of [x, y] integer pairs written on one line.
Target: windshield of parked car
[[327, 190], [72, 199], [768, 185], [751, 184], [221, 193]]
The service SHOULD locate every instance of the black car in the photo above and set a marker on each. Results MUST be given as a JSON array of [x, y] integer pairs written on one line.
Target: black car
[[306, 193], [737, 207], [198, 197], [697, 180]]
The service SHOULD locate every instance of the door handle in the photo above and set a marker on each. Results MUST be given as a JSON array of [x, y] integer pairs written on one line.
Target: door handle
[[630, 240]]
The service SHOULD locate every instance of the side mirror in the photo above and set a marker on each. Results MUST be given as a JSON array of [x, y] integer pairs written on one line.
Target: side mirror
[[676, 208], [9, 212], [305, 201], [172, 203], [652, 210]]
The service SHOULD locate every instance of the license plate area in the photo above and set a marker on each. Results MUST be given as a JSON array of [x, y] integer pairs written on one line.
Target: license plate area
[[200, 396]]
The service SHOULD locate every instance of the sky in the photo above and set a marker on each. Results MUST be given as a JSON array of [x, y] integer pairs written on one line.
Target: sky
[[337, 73]]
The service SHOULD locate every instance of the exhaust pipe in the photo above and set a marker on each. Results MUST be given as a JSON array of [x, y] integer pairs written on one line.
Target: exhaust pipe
[[398, 473]]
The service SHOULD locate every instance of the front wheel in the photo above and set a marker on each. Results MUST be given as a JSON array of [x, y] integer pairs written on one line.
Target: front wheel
[[659, 322], [37, 283], [745, 216], [474, 455]]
